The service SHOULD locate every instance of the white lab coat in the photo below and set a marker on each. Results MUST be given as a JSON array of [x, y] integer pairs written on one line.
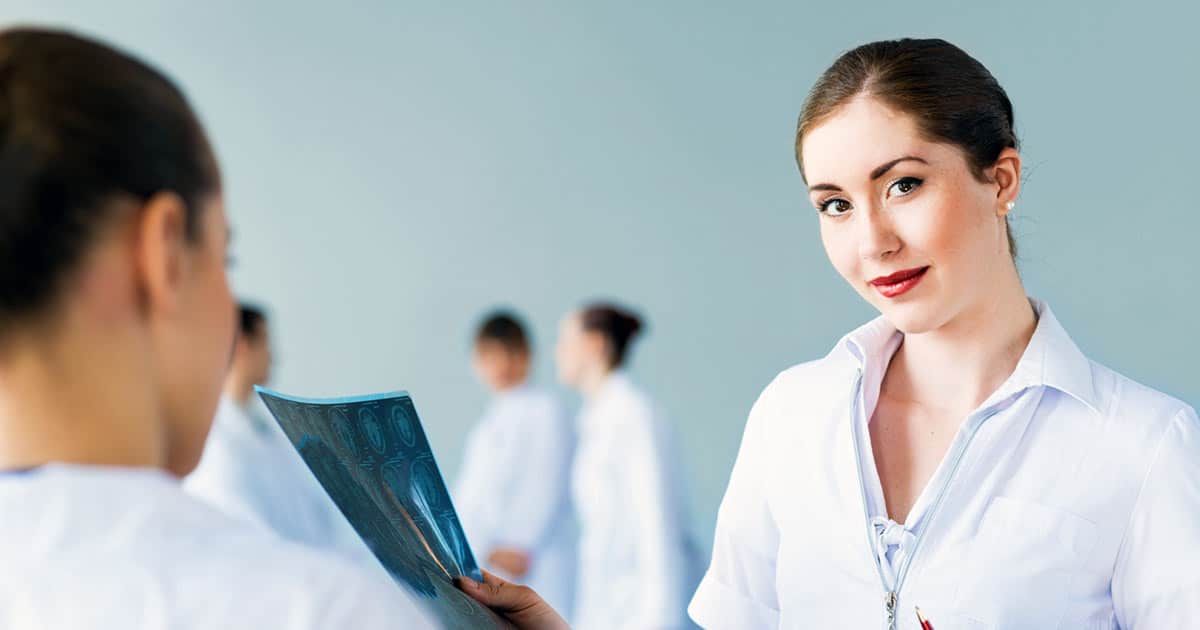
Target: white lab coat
[[251, 470], [513, 490], [1069, 499], [103, 548], [638, 561]]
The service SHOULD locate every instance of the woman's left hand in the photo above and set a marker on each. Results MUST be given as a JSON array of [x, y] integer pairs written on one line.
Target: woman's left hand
[[520, 605]]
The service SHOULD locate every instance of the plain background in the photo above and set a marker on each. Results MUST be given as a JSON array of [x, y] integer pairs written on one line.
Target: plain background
[[394, 169]]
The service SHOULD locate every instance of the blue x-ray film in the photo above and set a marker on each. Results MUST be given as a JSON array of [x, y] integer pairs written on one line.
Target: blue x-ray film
[[371, 455]]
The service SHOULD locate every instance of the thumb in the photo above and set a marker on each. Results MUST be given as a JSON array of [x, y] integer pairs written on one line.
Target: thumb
[[496, 593]]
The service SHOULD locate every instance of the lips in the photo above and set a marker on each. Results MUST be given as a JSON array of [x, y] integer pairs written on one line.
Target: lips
[[900, 282]]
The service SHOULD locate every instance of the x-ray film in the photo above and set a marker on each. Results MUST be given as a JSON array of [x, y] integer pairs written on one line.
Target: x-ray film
[[371, 455]]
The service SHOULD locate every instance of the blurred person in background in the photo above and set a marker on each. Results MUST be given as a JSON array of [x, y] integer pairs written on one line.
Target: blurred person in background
[[512, 494], [250, 469], [638, 562], [116, 323]]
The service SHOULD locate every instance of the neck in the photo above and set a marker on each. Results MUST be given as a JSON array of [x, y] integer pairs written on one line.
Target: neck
[[959, 365], [593, 381], [82, 396]]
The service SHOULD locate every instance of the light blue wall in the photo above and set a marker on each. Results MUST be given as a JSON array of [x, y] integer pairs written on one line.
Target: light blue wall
[[393, 170]]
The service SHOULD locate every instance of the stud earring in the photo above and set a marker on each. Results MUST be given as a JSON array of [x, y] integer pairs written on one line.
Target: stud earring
[[1010, 205]]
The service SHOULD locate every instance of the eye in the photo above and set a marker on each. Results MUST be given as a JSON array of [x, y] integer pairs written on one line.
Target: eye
[[835, 207], [904, 186]]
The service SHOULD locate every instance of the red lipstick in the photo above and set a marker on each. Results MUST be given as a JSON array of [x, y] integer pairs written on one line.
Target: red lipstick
[[899, 283]]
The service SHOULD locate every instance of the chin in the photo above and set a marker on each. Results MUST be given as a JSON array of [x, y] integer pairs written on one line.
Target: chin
[[913, 318], [182, 464]]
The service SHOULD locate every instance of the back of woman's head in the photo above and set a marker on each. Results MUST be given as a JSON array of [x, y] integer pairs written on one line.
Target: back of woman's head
[[82, 126], [951, 96], [617, 325]]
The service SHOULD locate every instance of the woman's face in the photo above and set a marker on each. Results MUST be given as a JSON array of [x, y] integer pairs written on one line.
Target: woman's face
[[569, 355], [578, 352], [196, 341], [903, 219]]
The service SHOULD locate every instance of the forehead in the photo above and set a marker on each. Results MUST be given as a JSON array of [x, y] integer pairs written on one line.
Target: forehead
[[858, 137], [489, 347]]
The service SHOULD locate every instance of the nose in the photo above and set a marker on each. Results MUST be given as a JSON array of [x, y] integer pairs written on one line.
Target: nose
[[877, 238]]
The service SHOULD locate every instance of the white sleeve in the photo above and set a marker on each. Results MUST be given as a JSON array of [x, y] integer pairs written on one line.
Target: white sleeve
[[1156, 583], [738, 591], [474, 492], [537, 480], [661, 566]]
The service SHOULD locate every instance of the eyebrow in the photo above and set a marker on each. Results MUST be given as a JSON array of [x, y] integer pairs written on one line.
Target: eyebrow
[[878, 172]]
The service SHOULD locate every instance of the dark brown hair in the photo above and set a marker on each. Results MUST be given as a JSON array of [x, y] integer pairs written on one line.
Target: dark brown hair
[[252, 320], [506, 329], [82, 124], [618, 326], [951, 96]]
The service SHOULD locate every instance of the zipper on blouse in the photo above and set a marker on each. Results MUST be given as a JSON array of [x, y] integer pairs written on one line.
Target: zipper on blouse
[[892, 591]]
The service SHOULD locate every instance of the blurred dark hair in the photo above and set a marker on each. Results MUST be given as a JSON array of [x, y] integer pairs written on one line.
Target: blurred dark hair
[[506, 329], [618, 326], [83, 125], [952, 97], [252, 320]]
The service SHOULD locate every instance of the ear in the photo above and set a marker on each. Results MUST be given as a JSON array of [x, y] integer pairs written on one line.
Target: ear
[[160, 251], [597, 344], [1006, 173]]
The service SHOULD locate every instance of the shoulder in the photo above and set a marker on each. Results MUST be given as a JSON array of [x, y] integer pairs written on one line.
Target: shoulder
[[307, 587], [543, 401], [1140, 416], [1152, 430], [808, 394], [276, 574], [629, 404], [153, 556], [536, 409]]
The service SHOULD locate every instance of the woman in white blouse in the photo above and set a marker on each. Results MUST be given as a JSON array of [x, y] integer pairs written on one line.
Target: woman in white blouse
[[959, 454], [638, 565], [116, 323]]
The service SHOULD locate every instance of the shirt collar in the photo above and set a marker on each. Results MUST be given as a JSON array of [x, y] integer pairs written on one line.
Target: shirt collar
[[1051, 359]]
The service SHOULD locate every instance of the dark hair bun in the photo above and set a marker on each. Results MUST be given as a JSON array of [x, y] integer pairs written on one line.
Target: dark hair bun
[[618, 325]]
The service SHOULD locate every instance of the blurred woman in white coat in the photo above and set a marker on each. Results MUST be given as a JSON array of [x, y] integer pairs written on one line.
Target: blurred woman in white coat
[[638, 563]]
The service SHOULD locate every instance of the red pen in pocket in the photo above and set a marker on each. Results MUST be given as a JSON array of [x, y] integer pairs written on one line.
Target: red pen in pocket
[[925, 625]]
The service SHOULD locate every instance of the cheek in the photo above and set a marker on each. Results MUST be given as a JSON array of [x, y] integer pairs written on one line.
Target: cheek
[[841, 250], [223, 307], [220, 322], [952, 232]]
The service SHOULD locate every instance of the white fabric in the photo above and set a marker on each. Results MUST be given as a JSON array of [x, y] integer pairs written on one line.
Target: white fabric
[[513, 490], [1069, 499], [91, 548], [638, 564], [251, 470]]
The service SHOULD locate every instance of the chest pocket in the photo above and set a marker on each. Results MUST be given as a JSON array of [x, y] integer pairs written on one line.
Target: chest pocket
[[1024, 565]]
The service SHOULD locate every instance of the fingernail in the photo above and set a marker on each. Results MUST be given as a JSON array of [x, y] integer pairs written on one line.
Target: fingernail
[[469, 583]]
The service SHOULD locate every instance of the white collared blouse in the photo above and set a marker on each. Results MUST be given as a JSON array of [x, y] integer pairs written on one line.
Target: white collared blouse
[[1069, 499]]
